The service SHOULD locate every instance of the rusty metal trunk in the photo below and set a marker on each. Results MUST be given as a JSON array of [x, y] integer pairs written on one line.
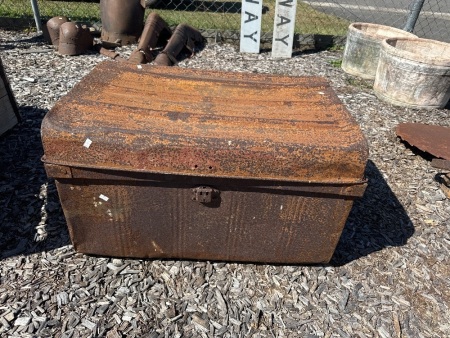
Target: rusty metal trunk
[[122, 21], [184, 36], [155, 31], [156, 162]]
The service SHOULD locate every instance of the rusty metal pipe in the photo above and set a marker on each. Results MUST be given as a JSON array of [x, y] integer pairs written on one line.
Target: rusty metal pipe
[[155, 31], [184, 36]]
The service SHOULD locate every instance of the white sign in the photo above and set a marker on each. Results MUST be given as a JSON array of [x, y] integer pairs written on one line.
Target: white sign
[[251, 26], [283, 28]]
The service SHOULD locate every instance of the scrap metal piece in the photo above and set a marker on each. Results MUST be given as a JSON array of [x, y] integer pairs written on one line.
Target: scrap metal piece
[[122, 21], [108, 53], [445, 185], [74, 39], [440, 163], [184, 36], [432, 139], [155, 30], [51, 30]]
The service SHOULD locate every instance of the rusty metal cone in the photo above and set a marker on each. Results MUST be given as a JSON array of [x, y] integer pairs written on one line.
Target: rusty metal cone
[[51, 31], [122, 21], [74, 39], [139, 57], [184, 36], [155, 31]]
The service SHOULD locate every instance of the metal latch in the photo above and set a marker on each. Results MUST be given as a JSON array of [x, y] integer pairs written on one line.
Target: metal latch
[[204, 194]]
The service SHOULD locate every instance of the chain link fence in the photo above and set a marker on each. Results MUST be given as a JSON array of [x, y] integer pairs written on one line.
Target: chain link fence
[[315, 17]]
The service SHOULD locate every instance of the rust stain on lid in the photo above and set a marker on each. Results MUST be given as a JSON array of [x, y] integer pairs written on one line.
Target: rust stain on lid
[[206, 123]]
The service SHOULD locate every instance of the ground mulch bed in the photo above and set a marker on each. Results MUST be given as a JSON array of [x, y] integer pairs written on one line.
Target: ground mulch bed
[[389, 277]]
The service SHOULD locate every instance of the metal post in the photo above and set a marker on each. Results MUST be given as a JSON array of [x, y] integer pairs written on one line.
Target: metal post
[[37, 16], [413, 15]]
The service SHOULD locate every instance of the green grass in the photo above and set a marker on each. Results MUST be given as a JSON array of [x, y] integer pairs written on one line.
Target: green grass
[[336, 63], [200, 14]]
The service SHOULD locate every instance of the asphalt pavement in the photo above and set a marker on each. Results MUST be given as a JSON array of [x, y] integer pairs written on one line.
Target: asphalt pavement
[[433, 22]]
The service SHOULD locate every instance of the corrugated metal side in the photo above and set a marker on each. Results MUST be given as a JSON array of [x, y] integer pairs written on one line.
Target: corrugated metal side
[[159, 219]]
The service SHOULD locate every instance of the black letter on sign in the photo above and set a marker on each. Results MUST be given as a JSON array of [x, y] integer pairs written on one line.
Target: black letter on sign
[[251, 36], [284, 20], [287, 3], [282, 40], [251, 17], [253, 2]]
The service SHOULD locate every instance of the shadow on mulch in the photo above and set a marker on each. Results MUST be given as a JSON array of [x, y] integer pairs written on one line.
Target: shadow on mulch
[[377, 220], [22, 179]]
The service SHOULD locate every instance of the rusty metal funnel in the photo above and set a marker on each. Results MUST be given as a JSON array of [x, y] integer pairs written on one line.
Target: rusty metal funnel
[[122, 21], [155, 31], [184, 36]]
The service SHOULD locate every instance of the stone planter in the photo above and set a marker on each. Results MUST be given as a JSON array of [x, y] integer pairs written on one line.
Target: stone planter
[[414, 73], [362, 49]]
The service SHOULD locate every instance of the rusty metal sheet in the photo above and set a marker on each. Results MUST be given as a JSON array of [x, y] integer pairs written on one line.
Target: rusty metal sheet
[[429, 138], [205, 123]]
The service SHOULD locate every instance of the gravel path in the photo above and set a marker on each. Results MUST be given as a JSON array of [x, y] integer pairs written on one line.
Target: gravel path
[[389, 276]]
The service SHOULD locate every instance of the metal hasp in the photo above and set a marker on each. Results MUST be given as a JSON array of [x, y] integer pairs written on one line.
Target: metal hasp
[[430, 138], [140, 154], [204, 194], [156, 31], [184, 36], [51, 30], [74, 39], [122, 21]]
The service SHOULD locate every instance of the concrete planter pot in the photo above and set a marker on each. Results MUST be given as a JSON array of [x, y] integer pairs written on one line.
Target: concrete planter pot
[[414, 73], [362, 49]]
